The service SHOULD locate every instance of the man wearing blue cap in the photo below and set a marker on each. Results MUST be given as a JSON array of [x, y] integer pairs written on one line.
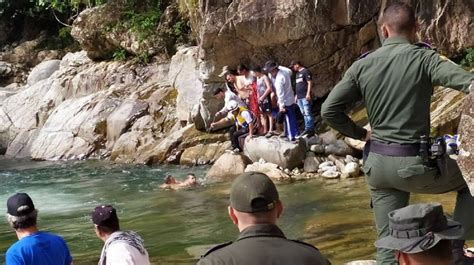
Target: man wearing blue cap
[[33, 246]]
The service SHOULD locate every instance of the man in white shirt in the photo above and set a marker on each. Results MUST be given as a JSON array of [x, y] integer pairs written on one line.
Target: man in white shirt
[[281, 79], [120, 247]]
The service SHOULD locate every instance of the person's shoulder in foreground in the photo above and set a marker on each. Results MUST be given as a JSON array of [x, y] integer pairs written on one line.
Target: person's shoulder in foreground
[[254, 208], [34, 246]]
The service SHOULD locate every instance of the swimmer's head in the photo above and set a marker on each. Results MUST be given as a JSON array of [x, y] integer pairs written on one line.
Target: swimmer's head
[[168, 179], [192, 177]]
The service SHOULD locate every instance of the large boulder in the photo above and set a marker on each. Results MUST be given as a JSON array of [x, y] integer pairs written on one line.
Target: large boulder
[[466, 131], [269, 169], [43, 70], [75, 129], [228, 167], [277, 151]]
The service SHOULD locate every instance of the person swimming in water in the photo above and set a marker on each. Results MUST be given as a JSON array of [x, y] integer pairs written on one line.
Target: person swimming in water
[[172, 183]]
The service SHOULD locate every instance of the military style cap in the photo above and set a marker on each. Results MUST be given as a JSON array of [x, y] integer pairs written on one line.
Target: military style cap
[[105, 215], [20, 204], [253, 192], [419, 227]]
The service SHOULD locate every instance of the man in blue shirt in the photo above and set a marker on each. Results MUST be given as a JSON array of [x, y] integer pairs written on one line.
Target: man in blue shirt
[[33, 247]]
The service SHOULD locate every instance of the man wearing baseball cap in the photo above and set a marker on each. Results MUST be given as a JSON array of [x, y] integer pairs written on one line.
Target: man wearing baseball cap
[[254, 208], [120, 247], [421, 234], [33, 246]]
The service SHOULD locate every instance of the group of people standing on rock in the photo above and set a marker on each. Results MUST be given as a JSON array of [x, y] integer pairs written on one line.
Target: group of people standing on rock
[[258, 102]]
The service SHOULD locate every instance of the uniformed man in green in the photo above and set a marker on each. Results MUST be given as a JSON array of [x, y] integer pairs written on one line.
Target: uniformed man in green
[[254, 208], [396, 83]]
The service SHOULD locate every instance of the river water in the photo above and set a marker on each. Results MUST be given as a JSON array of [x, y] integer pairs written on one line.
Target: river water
[[178, 226]]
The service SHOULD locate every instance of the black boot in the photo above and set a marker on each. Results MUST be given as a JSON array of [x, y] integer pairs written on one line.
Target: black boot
[[458, 253]]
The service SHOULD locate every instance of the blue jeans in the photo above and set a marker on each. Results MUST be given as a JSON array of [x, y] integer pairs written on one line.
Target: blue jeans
[[306, 109]]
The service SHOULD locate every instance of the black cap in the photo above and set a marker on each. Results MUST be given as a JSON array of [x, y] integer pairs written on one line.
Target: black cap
[[105, 215], [269, 66], [20, 204], [253, 192]]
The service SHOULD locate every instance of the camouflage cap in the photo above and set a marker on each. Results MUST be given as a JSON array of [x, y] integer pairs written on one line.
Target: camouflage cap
[[253, 192]]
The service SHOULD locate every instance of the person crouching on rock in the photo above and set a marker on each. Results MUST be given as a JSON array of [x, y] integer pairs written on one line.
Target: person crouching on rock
[[245, 124], [172, 183]]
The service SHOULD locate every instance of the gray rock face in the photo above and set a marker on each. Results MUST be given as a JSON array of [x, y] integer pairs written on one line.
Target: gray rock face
[[466, 131], [203, 154], [276, 151], [74, 129], [43, 70], [326, 35], [122, 118], [184, 76], [228, 167]]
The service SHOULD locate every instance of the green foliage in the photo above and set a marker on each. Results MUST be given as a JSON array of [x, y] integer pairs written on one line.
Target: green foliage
[[119, 55], [468, 60], [144, 24], [142, 58], [38, 7]]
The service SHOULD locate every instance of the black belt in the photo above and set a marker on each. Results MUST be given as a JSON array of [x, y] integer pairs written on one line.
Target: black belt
[[392, 149]]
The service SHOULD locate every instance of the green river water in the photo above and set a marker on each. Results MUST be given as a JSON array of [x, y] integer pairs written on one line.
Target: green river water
[[178, 226]]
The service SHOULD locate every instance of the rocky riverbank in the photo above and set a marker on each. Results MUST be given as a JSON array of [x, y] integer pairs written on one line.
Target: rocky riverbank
[[77, 105]]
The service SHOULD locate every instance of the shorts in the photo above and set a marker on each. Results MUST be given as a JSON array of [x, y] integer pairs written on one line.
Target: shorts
[[265, 107]]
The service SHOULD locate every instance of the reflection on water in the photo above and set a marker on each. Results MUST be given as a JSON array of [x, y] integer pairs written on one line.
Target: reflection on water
[[178, 226]]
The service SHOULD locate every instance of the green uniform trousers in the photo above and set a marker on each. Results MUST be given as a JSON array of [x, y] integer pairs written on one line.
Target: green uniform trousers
[[392, 178]]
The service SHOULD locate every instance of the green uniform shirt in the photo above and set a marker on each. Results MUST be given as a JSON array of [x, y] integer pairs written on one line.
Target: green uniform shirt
[[263, 244], [396, 82]]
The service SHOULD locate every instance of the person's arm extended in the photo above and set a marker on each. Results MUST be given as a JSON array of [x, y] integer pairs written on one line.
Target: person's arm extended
[[219, 123], [446, 73], [268, 90], [344, 93]]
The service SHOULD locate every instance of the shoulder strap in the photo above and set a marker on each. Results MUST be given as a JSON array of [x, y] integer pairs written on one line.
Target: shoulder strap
[[214, 248], [365, 54], [424, 45]]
